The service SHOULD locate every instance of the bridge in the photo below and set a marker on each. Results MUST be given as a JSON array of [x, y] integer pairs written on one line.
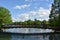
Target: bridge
[[29, 26], [56, 29]]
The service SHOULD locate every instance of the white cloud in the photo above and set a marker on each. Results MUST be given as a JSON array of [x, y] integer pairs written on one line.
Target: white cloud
[[50, 5], [15, 19], [41, 14], [22, 6]]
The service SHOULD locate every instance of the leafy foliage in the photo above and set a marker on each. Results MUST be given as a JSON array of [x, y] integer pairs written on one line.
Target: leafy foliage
[[5, 16], [31, 22], [54, 19]]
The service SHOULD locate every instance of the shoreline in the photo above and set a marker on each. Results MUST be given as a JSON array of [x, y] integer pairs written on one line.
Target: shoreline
[[31, 33]]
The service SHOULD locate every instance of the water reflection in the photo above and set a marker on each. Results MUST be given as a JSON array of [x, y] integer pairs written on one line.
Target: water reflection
[[4, 36], [30, 37], [54, 37], [28, 30], [36, 37]]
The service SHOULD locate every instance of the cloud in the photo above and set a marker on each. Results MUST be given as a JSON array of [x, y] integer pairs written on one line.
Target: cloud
[[40, 14], [50, 5], [22, 6]]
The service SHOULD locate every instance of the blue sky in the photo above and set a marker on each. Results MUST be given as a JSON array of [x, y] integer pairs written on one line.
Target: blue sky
[[22, 10]]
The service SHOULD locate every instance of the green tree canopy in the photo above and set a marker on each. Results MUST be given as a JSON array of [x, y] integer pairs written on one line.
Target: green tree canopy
[[5, 16], [37, 22]]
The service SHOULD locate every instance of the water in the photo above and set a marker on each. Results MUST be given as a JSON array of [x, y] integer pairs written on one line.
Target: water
[[28, 30], [4, 36], [29, 37]]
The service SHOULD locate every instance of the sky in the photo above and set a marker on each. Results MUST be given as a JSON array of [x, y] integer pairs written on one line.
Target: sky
[[22, 10]]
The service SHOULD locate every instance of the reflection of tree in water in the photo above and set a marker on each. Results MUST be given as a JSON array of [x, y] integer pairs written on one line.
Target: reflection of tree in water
[[57, 36], [54, 37], [22, 36], [45, 37], [51, 37]]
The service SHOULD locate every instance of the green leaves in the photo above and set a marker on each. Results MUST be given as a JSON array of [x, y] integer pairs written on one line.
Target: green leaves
[[55, 14], [5, 16], [29, 22]]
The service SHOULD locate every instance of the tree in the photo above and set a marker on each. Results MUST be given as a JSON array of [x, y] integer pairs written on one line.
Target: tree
[[37, 22], [5, 16], [29, 22], [44, 23], [55, 14]]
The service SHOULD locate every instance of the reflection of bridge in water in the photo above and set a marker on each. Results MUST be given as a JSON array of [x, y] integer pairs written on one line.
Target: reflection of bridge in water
[[28, 30], [30, 26]]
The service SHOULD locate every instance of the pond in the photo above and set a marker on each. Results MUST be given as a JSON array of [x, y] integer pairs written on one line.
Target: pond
[[6, 36], [27, 30]]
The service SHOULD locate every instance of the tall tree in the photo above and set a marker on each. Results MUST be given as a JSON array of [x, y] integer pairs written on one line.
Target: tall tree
[[5, 16], [55, 14]]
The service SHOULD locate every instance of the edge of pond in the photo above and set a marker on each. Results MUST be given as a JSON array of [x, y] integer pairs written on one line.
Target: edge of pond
[[31, 33]]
